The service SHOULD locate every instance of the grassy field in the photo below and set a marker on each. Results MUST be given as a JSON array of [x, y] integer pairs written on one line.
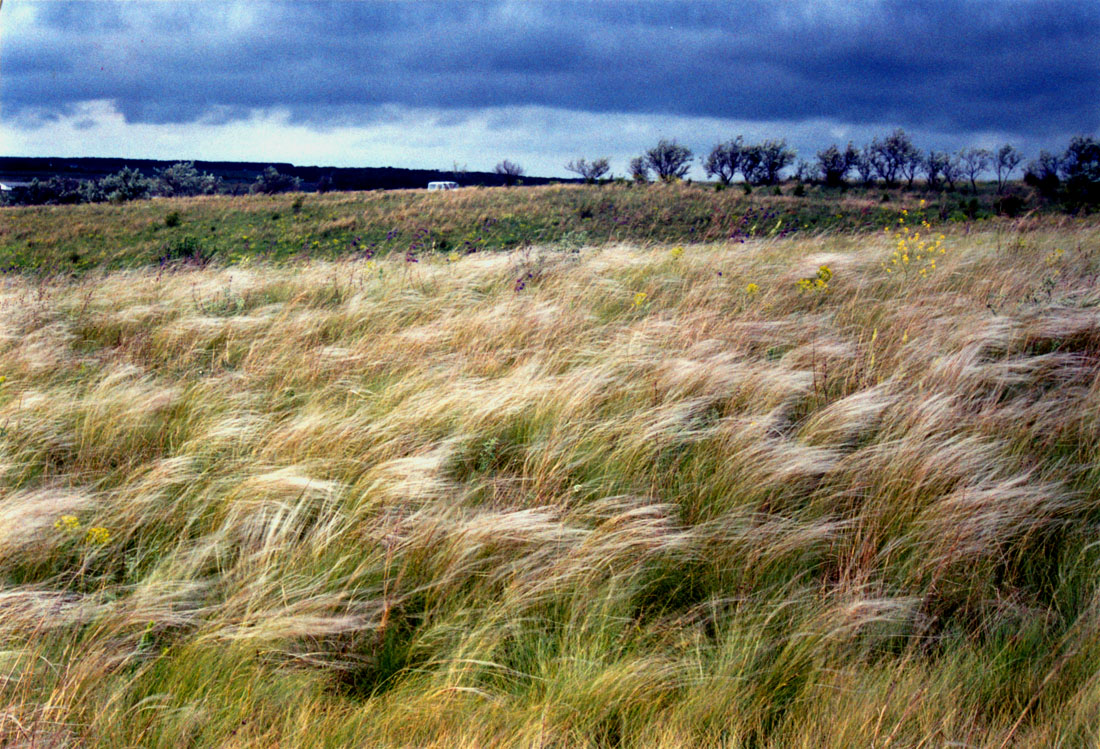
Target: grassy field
[[839, 488], [53, 239]]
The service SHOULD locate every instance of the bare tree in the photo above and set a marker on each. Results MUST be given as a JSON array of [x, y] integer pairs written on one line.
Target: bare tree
[[1008, 158], [510, 170], [724, 160], [639, 171], [974, 161], [591, 171], [668, 160]]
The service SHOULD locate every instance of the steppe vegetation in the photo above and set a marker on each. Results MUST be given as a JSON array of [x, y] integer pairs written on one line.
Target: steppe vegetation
[[822, 476], [294, 226]]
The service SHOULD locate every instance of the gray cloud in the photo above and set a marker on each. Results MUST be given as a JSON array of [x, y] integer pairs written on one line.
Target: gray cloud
[[1025, 68]]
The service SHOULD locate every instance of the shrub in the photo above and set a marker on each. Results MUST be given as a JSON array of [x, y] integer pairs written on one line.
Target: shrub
[[1010, 205], [272, 182], [125, 185], [186, 249], [183, 179], [54, 191], [834, 164], [668, 159]]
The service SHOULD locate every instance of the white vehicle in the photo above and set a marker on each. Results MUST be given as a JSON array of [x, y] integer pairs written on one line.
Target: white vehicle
[[442, 185]]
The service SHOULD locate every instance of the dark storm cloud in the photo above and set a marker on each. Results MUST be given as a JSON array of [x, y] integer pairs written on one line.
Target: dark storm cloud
[[1031, 68]]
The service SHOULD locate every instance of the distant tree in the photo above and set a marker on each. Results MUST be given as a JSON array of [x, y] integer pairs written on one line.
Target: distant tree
[[952, 171], [56, 190], [775, 156], [1007, 159], [126, 184], [1042, 173], [724, 160], [974, 161], [272, 182], [934, 165], [183, 179], [591, 171], [834, 164], [324, 184], [891, 155], [669, 160], [865, 165], [752, 160], [912, 165], [91, 192], [804, 171], [1080, 168], [510, 170], [639, 171]]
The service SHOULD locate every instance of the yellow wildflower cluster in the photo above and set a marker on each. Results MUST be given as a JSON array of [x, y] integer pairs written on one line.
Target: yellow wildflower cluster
[[97, 536], [94, 535], [1052, 259], [915, 249], [818, 282], [67, 523], [639, 299], [752, 289], [676, 252]]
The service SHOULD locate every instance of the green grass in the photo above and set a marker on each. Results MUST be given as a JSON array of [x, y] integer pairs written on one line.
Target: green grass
[[379, 503], [292, 226]]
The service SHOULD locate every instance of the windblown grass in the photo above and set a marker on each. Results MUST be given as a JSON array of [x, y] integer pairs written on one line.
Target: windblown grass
[[610, 497]]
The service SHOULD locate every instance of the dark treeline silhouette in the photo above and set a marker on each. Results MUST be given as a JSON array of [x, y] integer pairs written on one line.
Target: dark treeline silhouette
[[892, 161], [79, 180]]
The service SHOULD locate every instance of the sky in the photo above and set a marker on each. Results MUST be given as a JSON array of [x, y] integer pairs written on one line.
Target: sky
[[465, 84]]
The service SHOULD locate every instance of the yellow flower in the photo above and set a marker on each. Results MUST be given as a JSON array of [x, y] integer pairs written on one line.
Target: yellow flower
[[676, 251], [752, 288], [67, 523], [639, 299], [97, 535]]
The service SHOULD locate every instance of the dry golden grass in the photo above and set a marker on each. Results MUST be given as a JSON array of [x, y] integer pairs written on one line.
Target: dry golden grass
[[558, 499]]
